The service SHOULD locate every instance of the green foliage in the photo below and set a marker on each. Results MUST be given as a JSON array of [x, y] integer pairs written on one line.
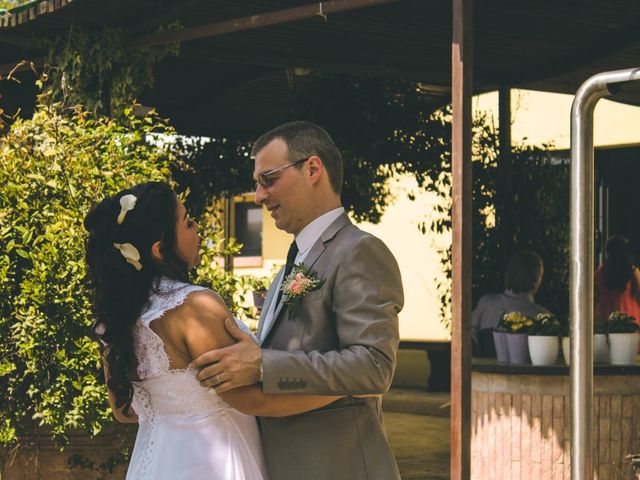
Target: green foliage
[[384, 128], [212, 168], [520, 204], [97, 70], [545, 324], [52, 169], [515, 322], [233, 288], [9, 4], [259, 284], [620, 322]]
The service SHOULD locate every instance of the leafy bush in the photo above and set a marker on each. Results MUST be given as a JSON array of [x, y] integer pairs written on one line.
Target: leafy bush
[[545, 324], [52, 169], [514, 322], [620, 322]]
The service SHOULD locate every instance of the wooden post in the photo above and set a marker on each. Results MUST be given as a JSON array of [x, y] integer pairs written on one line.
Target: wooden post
[[504, 106], [461, 89], [504, 205]]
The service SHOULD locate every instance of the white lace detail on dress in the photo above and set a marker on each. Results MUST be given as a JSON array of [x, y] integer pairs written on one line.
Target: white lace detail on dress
[[162, 391], [149, 348], [143, 407]]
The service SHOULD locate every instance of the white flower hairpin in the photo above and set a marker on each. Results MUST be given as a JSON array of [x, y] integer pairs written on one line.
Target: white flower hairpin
[[127, 202], [130, 253]]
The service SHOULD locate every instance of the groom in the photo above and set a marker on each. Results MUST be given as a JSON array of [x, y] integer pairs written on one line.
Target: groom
[[337, 337]]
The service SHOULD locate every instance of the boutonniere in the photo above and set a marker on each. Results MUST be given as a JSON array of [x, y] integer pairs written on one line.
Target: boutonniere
[[299, 283]]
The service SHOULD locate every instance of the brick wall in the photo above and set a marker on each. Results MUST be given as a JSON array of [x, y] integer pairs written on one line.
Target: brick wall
[[521, 426], [40, 459]]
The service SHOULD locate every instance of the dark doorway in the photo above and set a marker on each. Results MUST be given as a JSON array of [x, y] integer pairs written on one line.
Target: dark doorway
[[617, 196]]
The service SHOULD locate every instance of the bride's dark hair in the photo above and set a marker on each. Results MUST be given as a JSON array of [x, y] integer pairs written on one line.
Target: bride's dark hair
[[120, 292]]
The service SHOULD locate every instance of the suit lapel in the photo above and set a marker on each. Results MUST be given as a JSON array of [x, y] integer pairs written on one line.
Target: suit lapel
[[312, 257], [271, 296]]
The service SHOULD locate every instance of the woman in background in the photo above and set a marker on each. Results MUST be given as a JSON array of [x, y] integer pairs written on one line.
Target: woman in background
[[617, 281]]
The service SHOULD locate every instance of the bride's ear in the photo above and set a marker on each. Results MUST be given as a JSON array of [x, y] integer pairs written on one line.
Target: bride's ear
[[155, 251]]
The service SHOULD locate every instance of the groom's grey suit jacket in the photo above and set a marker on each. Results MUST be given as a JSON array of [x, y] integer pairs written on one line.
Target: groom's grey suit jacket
[[341, 339]]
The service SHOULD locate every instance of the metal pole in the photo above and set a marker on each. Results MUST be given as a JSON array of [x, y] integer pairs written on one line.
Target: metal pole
[[581, 266]]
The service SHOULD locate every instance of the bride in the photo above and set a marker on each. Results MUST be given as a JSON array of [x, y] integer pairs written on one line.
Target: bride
[[153, 323]]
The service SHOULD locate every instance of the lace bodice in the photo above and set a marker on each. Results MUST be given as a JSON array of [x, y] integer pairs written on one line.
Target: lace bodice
[[185, 431], [149, 347], [161, 390]]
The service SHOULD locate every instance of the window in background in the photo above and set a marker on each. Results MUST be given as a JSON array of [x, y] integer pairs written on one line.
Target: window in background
[[248, 228]]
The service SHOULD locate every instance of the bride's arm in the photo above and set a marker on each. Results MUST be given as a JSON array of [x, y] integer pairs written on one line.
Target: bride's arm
[[118, 413], [203, 330], [252, 401]]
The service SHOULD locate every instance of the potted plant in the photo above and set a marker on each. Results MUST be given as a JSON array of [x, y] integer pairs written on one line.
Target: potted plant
[[543, 339], [600, 342], [500, 340], [518, 325], [623, 338], [259, 287]]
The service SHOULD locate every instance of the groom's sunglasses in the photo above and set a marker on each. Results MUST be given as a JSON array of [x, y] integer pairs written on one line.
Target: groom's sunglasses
[[267, 179]]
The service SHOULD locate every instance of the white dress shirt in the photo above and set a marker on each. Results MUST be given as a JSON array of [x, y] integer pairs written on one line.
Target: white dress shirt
[[305, 240]]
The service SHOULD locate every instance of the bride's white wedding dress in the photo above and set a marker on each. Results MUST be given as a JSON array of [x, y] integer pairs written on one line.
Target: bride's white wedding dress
[[185, 431]]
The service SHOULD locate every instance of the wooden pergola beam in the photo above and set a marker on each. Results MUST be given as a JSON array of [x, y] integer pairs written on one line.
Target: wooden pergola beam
[[315, 10], [461, 91]]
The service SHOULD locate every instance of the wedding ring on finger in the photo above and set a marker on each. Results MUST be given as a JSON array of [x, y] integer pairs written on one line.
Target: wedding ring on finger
[[218, 378]]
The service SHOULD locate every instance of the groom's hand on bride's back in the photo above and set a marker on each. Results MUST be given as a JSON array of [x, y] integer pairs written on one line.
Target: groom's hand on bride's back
[[231, 367]]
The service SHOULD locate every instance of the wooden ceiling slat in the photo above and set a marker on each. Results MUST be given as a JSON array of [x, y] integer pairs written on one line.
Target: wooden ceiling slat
[[548, 45]]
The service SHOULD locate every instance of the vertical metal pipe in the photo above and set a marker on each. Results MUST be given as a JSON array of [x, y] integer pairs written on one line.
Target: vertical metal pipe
[[582, 265], [602, 229]]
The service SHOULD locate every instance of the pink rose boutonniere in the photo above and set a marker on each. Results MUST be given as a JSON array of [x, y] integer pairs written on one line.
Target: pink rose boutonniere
[[299, 283]]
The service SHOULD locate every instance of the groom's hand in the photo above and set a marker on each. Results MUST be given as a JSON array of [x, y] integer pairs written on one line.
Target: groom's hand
[[231, 367]]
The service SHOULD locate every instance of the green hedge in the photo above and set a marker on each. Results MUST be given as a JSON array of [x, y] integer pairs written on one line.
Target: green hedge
[[52, 169]]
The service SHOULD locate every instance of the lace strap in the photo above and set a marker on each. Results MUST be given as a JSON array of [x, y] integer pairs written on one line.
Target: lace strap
[[170, 295]]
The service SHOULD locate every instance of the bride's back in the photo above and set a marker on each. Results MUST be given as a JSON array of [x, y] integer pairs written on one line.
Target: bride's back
[[167, 383]]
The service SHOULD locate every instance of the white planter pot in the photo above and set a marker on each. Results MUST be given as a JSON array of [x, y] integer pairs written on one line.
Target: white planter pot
[[566, 349], [543, 349], [600, 349], [624, 348]]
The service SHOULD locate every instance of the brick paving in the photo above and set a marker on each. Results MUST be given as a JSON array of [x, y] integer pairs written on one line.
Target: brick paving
[[417, 424]]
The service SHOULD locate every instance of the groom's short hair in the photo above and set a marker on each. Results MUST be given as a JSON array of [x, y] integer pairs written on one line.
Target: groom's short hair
[[305, 139]]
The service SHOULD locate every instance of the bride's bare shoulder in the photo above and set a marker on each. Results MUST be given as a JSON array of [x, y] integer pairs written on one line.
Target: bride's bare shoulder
[[201, 322], [204, 306]]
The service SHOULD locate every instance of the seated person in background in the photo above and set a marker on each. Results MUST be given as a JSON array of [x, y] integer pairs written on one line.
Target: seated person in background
[[522, 280], [617, 281]]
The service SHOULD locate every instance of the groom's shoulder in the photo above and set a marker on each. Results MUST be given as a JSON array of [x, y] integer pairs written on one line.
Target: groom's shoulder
[[353, 236]]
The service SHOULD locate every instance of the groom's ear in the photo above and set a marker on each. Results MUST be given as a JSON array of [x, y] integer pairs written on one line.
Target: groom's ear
[[156, 253], [315, 168]]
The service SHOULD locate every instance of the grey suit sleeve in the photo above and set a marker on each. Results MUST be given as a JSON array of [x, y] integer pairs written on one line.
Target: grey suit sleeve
[[367, 297]]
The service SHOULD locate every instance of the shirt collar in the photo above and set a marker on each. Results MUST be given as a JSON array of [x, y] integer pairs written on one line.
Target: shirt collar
[[523, 295], [309, 234]]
